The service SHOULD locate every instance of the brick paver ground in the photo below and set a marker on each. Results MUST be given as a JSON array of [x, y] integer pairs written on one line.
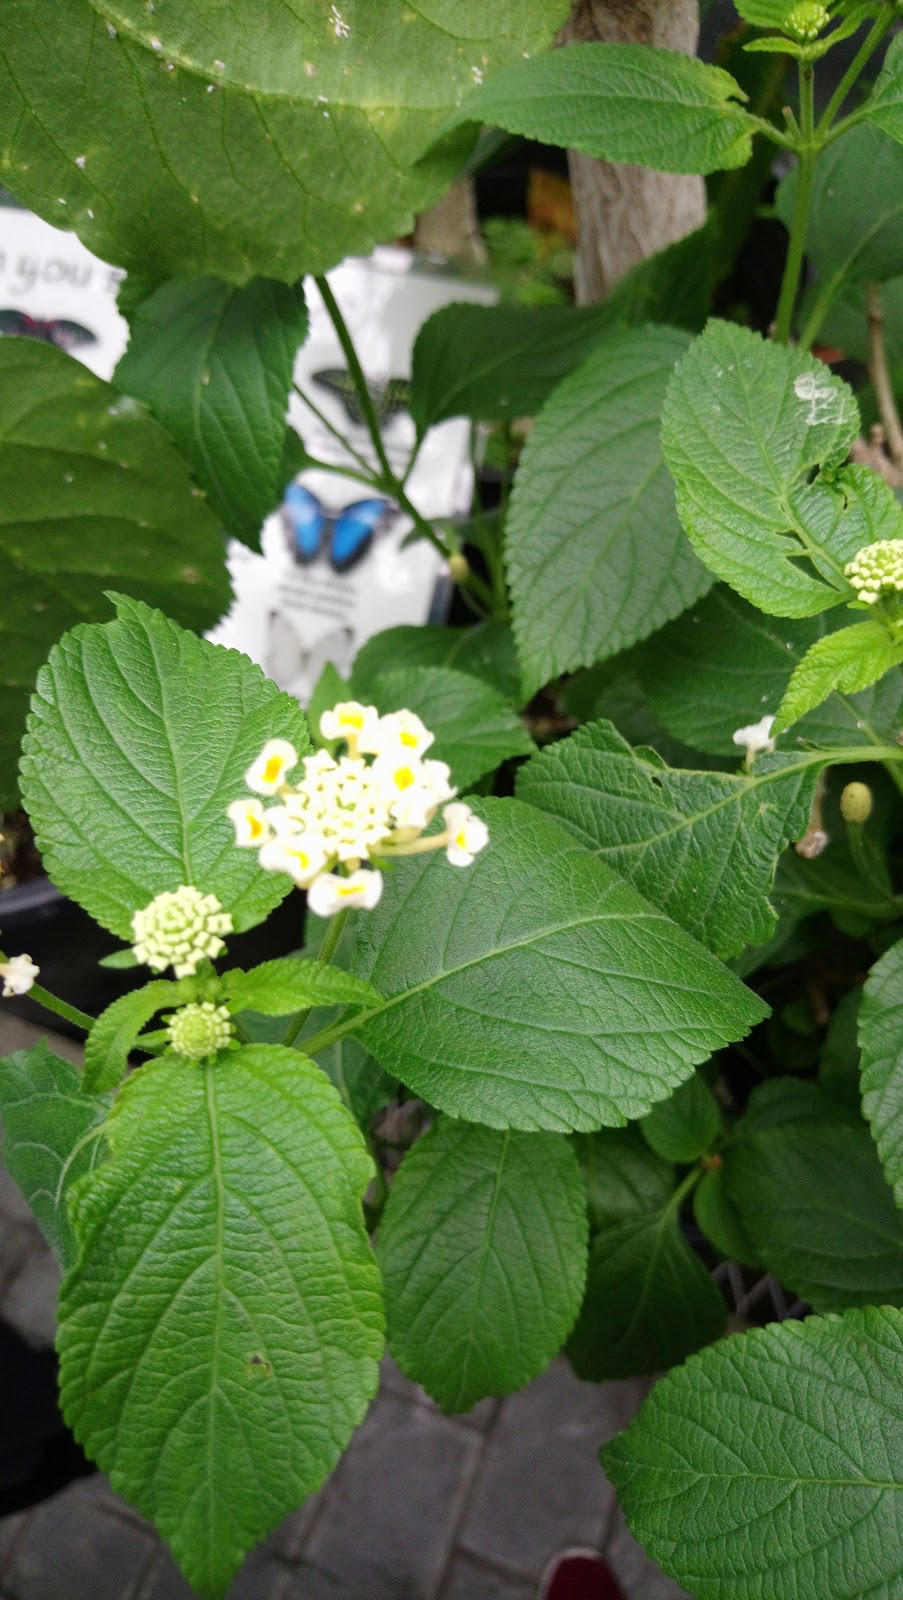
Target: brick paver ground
[[421, 1507]]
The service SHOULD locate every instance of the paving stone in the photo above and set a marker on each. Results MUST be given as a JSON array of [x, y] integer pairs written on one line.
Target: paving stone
[[541, 1486], [640, 1577], [17, 1034], [71, 1550], [14, 1207], [469, 1579], [10, 1530], [29, 1295], [261, 1578], [393, 1506]]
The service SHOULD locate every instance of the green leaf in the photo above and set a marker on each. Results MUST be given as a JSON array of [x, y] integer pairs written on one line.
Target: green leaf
[[621, 102], [329, 689], [860, 238], [138, 739], [685, 1126], [48, 1120], [718, 1218], [771, 1465], [360, 1080], [724, 665], [482, 1248], [845, 662], [535, 989], [496, 363], [596, 555], [814, 1202], [485, 651], [881, 1038], [279, 987], [92, 496], [169, 135], [702, 846], [214, 364], [476, 729], [220, 1333], [745, 424], [765, 13], [112, 1038], [623, 1177], [649, 1301], [884, 105]]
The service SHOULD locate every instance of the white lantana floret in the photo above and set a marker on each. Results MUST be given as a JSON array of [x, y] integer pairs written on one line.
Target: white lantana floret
[[18, 974], [200, 1030], [756, 737], [179, 929], [876, 570], [330, 892], [268, 773], [467, 834], [337, 819]]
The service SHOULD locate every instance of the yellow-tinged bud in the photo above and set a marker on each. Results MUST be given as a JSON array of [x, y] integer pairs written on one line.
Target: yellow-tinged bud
[[459, 567], [806, 21], [200, 1030], [856, 802]]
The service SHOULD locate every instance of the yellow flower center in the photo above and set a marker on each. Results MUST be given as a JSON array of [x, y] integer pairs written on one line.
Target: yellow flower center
[[461, 840], [255, 827], [272, 769], [347, 890], [410, 739], [353, 719], [404, 777]]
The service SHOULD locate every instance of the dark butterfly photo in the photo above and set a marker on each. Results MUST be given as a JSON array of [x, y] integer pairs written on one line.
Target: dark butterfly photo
[[343, 534], [65, 335], [390, 399]]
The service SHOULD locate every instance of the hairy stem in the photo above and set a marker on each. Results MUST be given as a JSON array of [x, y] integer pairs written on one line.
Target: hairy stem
[[880, 376], [808, 155], [61, 1008], [853, 72]]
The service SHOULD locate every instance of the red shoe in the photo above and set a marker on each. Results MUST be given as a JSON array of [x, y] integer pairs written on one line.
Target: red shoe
[[579, 1575]]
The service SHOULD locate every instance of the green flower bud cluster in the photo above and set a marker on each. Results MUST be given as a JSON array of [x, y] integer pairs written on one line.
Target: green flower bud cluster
[[200, 1030], [877, 569], [180, 929], [806, 21]]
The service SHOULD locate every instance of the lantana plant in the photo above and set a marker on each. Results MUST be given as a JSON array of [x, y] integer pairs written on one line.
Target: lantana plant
[[606, 888]]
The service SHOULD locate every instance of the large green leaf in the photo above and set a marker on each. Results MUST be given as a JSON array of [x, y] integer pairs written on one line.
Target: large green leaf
[[746, 422], [494, 363], [138, 739], [485, 651], [844, 662], [701, 845], [855, 229], [622, 102], [163, 138], [535, 989], [596, 555], [92, 496], [220, 1332], [815, 1204], [475, 727], [881, 1038], [724, 664], [885, 103], [48, 1120], [649, 1301], [482, 1248], [772, 1464], [623, 1177], [214, 364], [279, 987]]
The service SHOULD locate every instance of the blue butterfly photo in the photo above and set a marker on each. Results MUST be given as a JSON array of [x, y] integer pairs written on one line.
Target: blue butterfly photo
[[344, 534]]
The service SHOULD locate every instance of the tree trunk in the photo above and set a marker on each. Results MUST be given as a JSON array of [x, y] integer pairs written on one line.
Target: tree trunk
[[627, 213]]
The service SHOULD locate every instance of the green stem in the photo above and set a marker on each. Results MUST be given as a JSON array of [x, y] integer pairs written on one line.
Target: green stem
[[336, 434], [61, 1008], [356, 373], [820, 308], [685, 1187], [808, 155], [852, 74], [325, 954]]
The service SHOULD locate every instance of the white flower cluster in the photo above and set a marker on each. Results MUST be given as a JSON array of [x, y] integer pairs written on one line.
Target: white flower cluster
[[200, 1030], [18, 974], [332, 821], [876, 569], [807, 20], [179, 929], [755, 738]]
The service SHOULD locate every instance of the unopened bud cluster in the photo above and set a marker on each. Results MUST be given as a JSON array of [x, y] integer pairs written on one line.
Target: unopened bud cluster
[[200, 1030], [876, 570], [806, 21], [337, 815], [180, 929]]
